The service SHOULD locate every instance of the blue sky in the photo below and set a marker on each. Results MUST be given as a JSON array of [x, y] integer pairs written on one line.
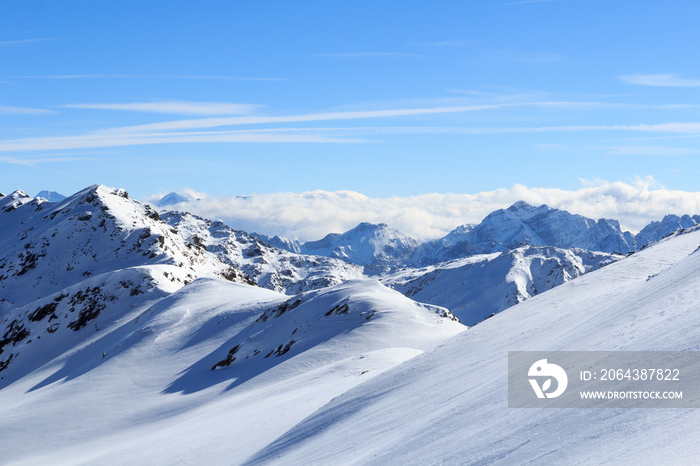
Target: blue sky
[[390, 98]]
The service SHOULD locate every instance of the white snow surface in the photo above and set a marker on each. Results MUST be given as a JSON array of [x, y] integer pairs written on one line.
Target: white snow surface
[[476, 287], [450, 406], [142, 390]]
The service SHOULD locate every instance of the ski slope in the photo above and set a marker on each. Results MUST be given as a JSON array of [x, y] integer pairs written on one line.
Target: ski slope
[[144, 390], [450, 406]]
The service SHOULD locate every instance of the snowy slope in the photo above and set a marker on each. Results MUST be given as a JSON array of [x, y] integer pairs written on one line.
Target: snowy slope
[[479, 286], [44, 246], [143, 390], [71, 267], [268, 266], [450, 406]]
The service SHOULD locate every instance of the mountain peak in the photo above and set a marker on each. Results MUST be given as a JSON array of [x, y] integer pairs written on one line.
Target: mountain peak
[[51, 196], [172, 199], [19, 194], [365, 226], [522, 223], [374, 244], [521, 205], [14, 200]]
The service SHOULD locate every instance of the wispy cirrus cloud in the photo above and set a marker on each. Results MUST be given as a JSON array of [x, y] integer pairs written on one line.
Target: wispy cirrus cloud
[[653, 151], [659, 80], [175, 108], [91, 141], [144, 76], [201, 130], [11, 110], [180, 131], [516, 56], [21, 42], [311, 215], [525, 2], [33, 161], [202, 123], [361, 55], [672, 128], [447, 43]]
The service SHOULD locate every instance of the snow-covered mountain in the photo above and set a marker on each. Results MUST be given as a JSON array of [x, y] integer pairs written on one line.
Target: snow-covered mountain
[[375, 246], [171, 199], [523, 224], [72, 264], [657, 230], [477, 287], [98, 230], [51, 196], [382, 249], [270, 267], [291, 245]]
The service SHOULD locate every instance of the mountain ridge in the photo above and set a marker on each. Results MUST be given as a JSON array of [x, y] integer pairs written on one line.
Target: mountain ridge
[[500, 231]]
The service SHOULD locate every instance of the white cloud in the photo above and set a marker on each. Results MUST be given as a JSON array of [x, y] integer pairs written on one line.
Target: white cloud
[[10, 110], [17, 43], [652, 150], [525, 2], [356, 55], [176, 108], [201, 123], [448, 43], [312, 215], [137, 135], [89, 141], [683, 128], [33, 161], [659, 80], [184, 130], [144, 76]]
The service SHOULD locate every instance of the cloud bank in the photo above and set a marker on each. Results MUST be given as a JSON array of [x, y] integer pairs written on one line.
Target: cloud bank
[[312, 215]]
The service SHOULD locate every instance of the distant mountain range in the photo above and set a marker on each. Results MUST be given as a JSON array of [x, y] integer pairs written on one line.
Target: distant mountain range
[[475, 270], [380, 248]]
